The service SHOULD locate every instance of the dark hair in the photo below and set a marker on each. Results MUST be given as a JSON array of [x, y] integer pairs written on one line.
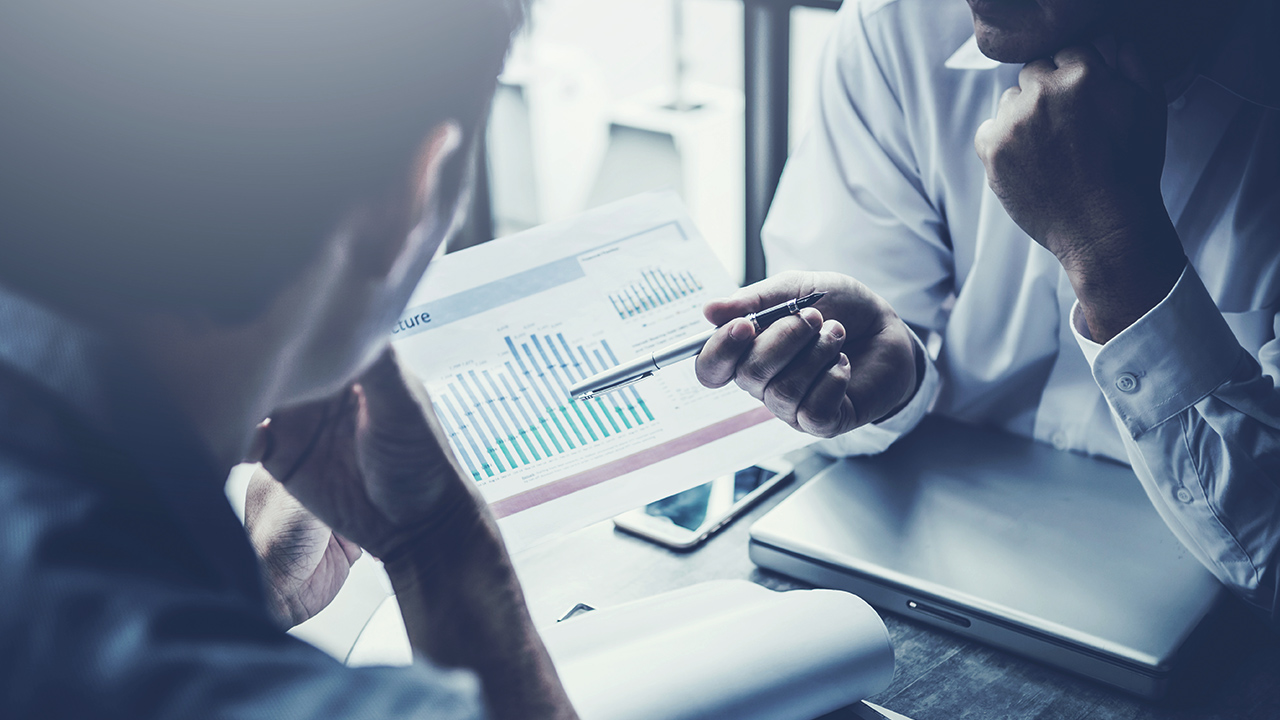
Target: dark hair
[[193, 155]]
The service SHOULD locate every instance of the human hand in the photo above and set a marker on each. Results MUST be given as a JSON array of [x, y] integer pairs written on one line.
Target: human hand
[[823, 377], [1075, 154], [304, 562], [372, 463]]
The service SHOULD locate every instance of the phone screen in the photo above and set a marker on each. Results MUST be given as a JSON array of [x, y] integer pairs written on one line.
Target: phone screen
[[708, 503]]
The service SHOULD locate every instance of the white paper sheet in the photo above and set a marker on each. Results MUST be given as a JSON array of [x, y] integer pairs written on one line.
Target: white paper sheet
[[498, 333], [719, 650]]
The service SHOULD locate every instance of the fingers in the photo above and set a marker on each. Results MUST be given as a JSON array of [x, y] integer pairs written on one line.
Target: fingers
[[1007, 100], [775, 348], [1086, 56], [718, 362], [295, 433], [1034, 73], [886, 372], [828, 411], [761, 295], [984, 143], [398, 415], [723, 310], [388, 392], [788, 389]]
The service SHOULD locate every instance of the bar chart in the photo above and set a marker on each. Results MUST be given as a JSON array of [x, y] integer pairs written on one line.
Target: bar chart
[[509, 412], [655, 288]]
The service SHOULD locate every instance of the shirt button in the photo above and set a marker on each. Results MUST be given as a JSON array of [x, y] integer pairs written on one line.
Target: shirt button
[[1183, 495], [1059, 440], [1126, 383]]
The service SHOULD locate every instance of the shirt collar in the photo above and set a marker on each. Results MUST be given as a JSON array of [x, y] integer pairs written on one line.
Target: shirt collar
[[1246, 62]]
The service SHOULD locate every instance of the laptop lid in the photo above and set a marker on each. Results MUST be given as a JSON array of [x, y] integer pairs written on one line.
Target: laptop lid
[[1051, 554]]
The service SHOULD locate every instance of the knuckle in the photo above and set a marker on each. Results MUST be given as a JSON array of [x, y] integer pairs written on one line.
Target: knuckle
[[824, 424], [752, 378], [783, 393], [982, 142], [781, 408], [1074, 75], [711, 374]]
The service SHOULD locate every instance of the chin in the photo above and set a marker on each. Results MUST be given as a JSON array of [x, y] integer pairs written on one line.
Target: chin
[[1012, 47], [1019, 31]]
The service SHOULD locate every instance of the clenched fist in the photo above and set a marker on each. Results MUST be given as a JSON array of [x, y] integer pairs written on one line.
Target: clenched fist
[[1075, 154]]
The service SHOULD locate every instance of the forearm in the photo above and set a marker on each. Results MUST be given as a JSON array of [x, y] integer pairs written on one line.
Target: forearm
[[463, 607]]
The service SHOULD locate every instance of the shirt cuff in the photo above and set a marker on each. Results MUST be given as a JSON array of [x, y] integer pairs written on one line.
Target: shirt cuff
[[874, 438], [1167, 361]]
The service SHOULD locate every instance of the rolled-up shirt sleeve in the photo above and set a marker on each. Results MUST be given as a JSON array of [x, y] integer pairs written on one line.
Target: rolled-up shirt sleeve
[[1200, 419]]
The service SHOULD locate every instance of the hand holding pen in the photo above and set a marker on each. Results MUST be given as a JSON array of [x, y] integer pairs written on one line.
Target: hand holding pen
[[824, 370], [646, 365]]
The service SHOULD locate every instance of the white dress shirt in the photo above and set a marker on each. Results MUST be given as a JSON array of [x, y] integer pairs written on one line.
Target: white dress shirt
[[886, 187]]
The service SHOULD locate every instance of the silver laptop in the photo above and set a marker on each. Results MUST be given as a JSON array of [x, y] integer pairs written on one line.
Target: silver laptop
[[1053, 555]]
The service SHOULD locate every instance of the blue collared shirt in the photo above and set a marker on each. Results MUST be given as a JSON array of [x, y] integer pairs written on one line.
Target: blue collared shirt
[[127, 586], [886, 187]]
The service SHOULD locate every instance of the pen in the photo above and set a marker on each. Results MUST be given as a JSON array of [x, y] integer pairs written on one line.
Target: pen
[[642, 367]]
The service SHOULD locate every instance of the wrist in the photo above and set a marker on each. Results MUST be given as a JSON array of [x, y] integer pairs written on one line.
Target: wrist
[[1125, 275]]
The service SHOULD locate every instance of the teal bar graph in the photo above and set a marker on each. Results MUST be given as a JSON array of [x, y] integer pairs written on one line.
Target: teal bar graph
[[654, 289], [516, 412]]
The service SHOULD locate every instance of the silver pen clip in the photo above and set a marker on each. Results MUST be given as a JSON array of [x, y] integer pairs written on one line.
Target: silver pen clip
[[615, 386]]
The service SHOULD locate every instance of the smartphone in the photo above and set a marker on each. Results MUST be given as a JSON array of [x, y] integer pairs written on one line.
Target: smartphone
[[685, 519]]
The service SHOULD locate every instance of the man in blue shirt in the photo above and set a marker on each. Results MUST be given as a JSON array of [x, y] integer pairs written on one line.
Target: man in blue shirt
[[212, 213]]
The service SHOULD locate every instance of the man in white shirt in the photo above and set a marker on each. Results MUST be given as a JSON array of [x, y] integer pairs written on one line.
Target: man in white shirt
[[1106, 260]]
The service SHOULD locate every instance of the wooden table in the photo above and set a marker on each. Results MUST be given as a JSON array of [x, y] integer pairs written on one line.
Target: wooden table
[[939, 676]]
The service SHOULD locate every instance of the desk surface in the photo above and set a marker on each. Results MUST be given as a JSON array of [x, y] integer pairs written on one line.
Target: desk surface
[[939, 676]]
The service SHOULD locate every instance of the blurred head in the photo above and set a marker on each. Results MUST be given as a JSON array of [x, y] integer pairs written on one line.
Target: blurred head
[[193, 157], [212, 163], [1019, 31]]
